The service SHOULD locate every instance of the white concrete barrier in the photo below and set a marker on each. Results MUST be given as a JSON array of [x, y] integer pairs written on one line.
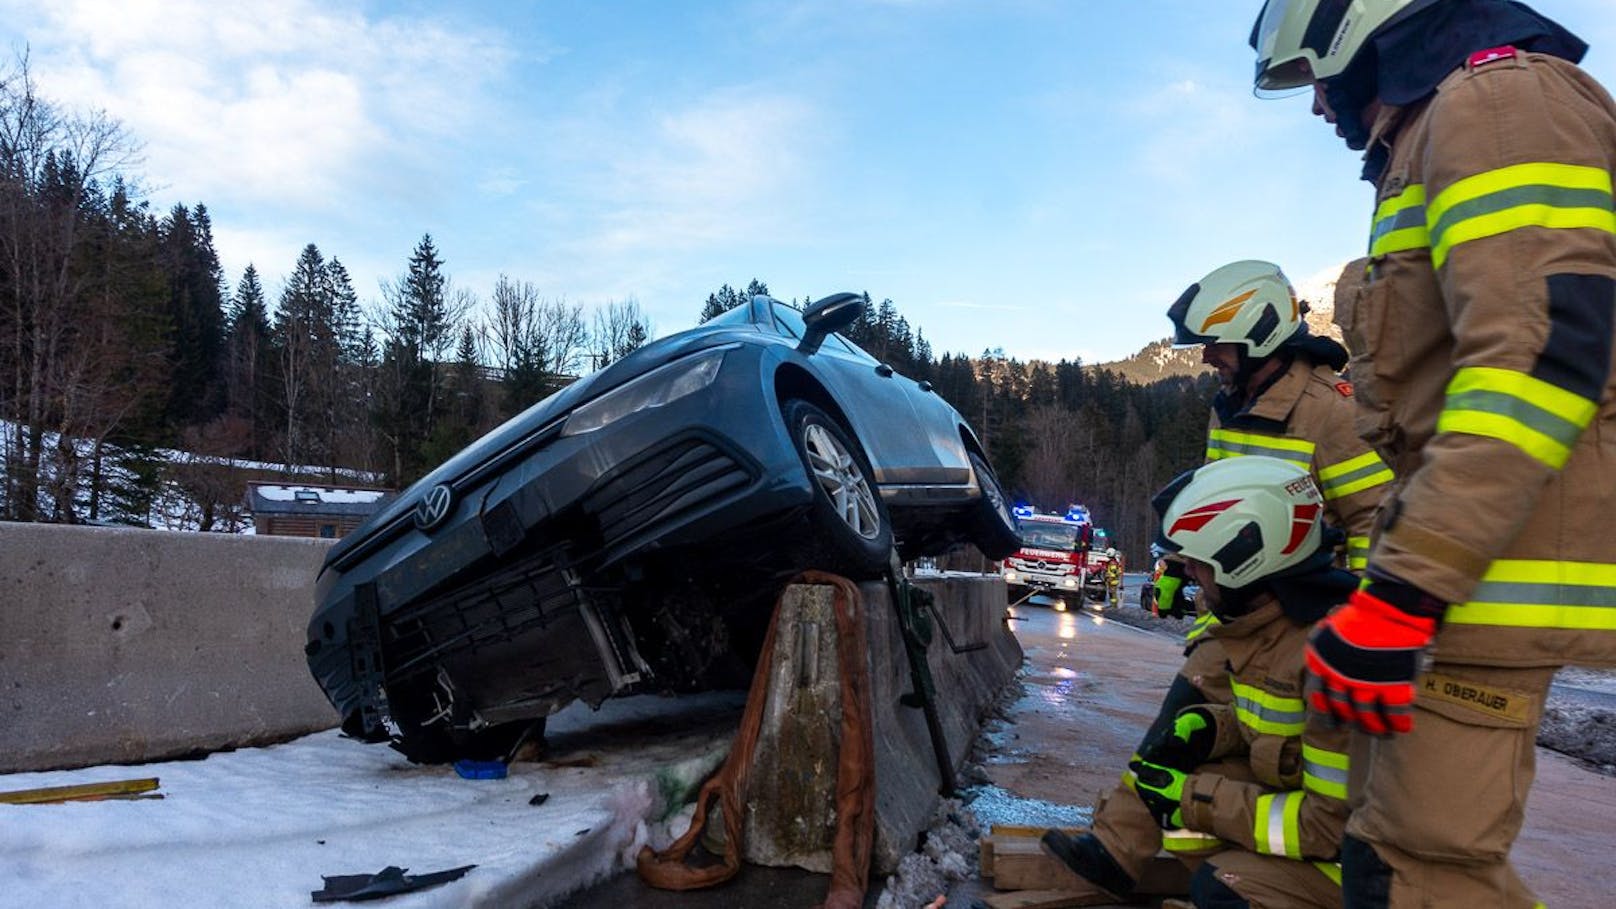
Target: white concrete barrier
[[124, 645]]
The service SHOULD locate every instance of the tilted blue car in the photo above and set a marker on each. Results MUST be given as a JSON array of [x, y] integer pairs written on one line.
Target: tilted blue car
[[630, 532]]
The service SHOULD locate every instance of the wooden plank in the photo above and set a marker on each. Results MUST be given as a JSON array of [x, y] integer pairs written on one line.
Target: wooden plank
[[1034, 832], [85, 792], [1046, 899], [1020, 863]]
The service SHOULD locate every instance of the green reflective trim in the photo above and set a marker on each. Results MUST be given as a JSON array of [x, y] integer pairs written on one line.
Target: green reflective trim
[[1324, 772], [1227, 443], [1532, 593], [1366, 471], [1331, 870], [1536, 194], [1357, 553], [1189, 841], [1399, 223], [1203, 623], [1538, 417], [1277, 829], [1267, 713]]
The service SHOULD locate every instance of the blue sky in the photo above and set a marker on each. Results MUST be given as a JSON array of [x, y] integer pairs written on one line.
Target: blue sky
[[1043, 176]]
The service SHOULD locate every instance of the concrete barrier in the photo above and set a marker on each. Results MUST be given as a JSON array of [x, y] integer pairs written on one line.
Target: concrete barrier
[[122, 646], [790, 815]]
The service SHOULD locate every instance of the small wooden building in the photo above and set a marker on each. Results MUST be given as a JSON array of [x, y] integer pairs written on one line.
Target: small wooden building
[[286, 510]]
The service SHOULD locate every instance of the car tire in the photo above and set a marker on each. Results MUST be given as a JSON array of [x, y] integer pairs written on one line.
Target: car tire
[[993, 526], [851, 533]]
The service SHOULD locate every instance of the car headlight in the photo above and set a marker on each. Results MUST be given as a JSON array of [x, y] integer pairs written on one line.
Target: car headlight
[[654, 389]]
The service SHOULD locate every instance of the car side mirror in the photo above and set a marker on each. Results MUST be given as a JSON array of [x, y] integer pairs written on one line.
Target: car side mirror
[[833, 313]]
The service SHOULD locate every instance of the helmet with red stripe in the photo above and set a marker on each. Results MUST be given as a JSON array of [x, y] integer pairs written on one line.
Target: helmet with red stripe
[[1248, 518]]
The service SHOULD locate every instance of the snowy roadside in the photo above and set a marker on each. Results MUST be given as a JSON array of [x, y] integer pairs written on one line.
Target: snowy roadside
[[1573, 724], [261, 827]]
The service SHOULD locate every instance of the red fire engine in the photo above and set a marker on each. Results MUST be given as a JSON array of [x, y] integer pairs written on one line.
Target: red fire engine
[[1062, 557]]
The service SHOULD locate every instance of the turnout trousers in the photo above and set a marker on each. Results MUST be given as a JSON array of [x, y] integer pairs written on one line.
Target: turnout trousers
[[1440, 806]]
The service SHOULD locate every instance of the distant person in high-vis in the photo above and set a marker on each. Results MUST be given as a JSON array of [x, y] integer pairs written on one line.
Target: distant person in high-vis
[[1482, 338], [1250, 792]]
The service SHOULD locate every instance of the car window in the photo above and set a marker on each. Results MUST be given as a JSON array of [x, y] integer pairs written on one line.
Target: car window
[[789, 320], [791, 323], [736, 318]]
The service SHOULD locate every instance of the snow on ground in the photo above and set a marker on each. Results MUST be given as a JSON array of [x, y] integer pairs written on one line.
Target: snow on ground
[[259, 827]]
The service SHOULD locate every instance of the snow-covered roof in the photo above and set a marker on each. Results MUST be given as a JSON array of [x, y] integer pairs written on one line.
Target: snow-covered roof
[[274, 498]]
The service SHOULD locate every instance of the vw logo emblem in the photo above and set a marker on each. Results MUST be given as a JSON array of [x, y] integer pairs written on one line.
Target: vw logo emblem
[[431, 510]]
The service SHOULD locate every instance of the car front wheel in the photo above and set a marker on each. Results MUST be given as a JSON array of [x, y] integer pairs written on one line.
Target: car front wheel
[[851, 533]]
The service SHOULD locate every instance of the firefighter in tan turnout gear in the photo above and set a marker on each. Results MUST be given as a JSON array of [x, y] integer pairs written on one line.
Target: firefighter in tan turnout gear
[[1482, 336], [1280, 397], [1259, 789]]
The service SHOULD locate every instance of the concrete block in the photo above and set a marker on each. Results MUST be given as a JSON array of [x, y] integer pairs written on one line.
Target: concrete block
[[791, 818], [790, 799], [125, 645]]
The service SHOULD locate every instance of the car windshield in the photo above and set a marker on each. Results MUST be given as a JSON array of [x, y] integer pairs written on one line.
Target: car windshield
[[735, 318], [1049, 536]]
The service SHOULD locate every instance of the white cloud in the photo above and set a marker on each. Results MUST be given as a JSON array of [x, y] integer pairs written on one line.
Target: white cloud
[[271, 101], [723, 168]]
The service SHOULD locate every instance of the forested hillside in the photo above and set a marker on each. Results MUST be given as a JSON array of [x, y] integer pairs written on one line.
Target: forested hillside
[[122, 341]]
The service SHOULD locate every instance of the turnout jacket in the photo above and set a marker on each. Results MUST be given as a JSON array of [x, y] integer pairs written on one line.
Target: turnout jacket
[[1482, 340], [1292, 803], [1306, 417]]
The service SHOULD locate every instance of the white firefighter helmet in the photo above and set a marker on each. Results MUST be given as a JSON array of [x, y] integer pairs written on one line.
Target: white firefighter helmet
[[1248, 517], [1298, 41], [1249, 303]]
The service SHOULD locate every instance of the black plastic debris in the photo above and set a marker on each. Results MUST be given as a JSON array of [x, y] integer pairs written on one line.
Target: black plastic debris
[[387, 882], [539, 799]]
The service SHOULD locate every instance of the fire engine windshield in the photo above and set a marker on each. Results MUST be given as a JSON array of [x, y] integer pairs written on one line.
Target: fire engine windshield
[[1049, 536]]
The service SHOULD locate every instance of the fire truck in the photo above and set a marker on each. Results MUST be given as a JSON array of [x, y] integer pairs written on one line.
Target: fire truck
[[1062, 557]]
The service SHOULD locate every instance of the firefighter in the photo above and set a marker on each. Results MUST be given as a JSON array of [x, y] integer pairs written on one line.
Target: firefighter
[[1113, 578], [1258, 787], [1482, 335], [1279, 396]]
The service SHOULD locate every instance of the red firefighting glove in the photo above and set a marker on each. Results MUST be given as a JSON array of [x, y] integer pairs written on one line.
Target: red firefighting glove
[[1363, 657], [1185, 745], [1160, 788]]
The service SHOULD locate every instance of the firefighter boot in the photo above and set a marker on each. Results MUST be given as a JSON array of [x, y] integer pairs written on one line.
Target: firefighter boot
[[1089, 860]]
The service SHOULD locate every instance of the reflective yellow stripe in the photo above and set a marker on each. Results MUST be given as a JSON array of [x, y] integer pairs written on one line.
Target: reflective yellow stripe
[[1535, 416], [1399, 223], [1365, 471], [1539, 194], [1229, 443], [1189, 841], [1357, 553], [1332, 870], [1324, 772], [1532, 593], [1203, 624], [1277, 829], [1267, 713]]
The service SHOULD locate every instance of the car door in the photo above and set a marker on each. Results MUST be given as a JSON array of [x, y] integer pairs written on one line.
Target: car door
[[900, 438]]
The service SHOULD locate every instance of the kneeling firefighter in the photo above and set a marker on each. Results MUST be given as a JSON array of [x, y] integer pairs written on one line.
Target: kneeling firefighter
[[1250, 794]]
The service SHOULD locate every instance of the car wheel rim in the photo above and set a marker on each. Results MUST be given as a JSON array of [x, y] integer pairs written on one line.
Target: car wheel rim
[[843, 483]]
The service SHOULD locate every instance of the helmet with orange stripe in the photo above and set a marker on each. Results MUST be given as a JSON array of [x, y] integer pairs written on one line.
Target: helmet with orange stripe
[[1247, 303]]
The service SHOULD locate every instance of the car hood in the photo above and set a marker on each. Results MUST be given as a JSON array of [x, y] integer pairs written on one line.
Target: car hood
[[541, 414]]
